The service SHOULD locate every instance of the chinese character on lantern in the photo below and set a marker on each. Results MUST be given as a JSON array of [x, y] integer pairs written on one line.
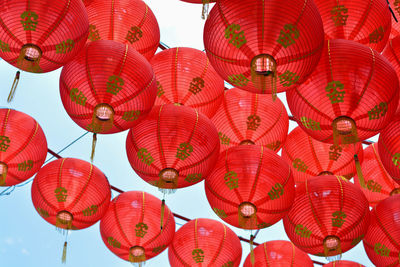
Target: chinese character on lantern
[[373, 186], [141, 229], [145, 156], [25, 166], [381, 249], [113, 242], [220, 213], [131, 115], [198, 255], [236, 36], [238, 80], [61, 194], [338, 15], [334, 152], [310, 124], [338, 218], [114, 84], [90, 211], [288, 78], [4, 141], [276, 191], [184, 150], [288, 35], [377, 35], [302, 231], [65, 46], [335, 94], [378, 111], [231, 180], [196, 85], [225, 140], [29, 20], [253, 122], [300, 165], [78, 97], [134, 34], [4, 46]]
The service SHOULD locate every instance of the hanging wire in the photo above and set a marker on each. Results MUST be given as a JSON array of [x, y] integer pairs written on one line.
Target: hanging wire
[[391, 11]]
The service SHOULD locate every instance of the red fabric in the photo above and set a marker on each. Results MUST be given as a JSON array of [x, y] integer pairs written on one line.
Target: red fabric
[[253, 117], [93, 78], [250, 174], [395, 5], [379, 184], [367, 22], [23, 146], [71, 185], [184, 75], [370, 87], [126, 21], [381, 243], [308, 157], [389, 148], [134, 219], [278, 253], [343, 264], [156, 142], [261, 24], [318, 203], [205, 242], [54, 24]]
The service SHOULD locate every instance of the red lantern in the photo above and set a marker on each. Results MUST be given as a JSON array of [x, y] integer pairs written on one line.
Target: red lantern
[[366, 22], [389, 148], [351, 96], [250, 187], [185, 77], [246, 118], [343, 264], [309, 157], [131, 227], [278, 253], [264, 46], [23, 147], [126, 21], [205, 242], [379, 184], [173, 147], [395, 5], [381, 242], [329, 216]]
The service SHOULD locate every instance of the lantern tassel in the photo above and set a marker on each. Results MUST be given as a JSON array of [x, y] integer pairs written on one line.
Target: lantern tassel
[[94, 141], [204, 12], [162, 213], [273, 85], [359, 172], [252, 257], [14, 87], [64, 254]]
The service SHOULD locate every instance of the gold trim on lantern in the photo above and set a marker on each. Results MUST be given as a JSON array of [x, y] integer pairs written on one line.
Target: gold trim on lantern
[[344, 131], [332, 246], [247, 213], [168, 178], [29, 58], [64, 220], [137, 254], [263, 69]]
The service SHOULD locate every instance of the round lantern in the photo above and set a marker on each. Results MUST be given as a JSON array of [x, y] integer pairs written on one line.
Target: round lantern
[[366, 22], [23, 147], [309, 157], [278, 253], [381, 242], [395, 6], [205, 242], [245, 118], [351, 96], [329, 216], [41, 36], [379, 184], [137, 227], [250, 187], [264, 46], [185, 76], [389, 148], [343, 263], [129, 22], [173, 147]]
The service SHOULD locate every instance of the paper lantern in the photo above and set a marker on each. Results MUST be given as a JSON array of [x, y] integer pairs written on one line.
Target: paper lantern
[[23, 147], [173, 147], [246, 118], [205, 242], [131, 228], [395, 6], [329, 216], [129, 22], [185, 76], [343, 263], [250, 187], [264, 46]]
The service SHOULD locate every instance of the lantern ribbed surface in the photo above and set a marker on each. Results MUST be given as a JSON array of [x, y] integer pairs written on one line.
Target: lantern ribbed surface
[[131, 228], [278, 253], [382, 241], [185, 76], [173, 147], [129, 22], [264, 46], [329, 216], [71, 193], [108, 87], [250, 187], [365, 21], [308, 157], [343, 263], [247, 118], [41, 36], [379, 184], [205, 242], [352, 94], [395, 5]]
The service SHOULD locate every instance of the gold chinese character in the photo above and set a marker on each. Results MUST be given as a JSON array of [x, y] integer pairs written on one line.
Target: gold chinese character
[[160, 89], [236, 36], [373, 186], [300, 165], [228, 264], [334, 153], [4, 46], [288, 35], [43, 213], [65, 46], [145, 156], [29, 20], [78, 97], [276, 191], [159, 249], [198, 255], [193, 178], [377, 35], [3, 140], [25, 166], [141, 229], [231, 180], [253, 122], [382, 250], [220, 213], [113, 242], [225, 140], [310, 124], [131, 115], [302, 231], [184, 150], [114, 84], [338, 16], [238, 80], [61, 194], [134, 34], [334, 94], [338, 218], [378, 111], [92, 210], [274, 145], [288, 78], [196, 85], [93, 33]]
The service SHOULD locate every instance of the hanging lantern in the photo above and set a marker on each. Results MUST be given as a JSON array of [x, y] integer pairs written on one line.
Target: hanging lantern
[[131, 227], [250, 187], [309, 157], [366, 22], [185, 77], [379, 184], [343, 263], [23, 147], [329, 216], [206, 3], [205, 242], [264, 46], [245, 118], [381, 243], [278, 253], [395, 8], [129, 22], [351, 96], [173, 147]]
